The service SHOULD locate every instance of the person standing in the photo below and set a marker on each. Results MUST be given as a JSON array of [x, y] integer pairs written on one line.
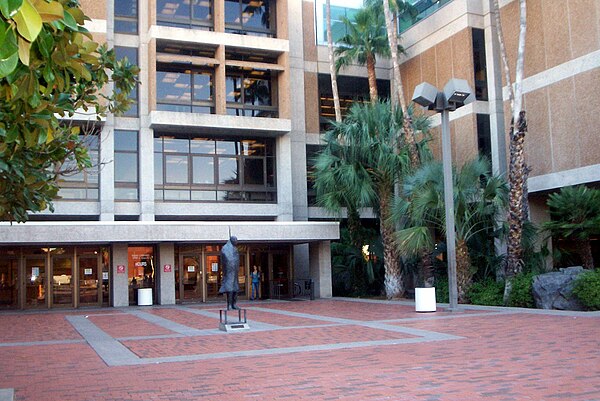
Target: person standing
[[255, 276]]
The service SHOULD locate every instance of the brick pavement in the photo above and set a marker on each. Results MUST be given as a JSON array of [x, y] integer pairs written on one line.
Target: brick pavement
[[313, 350]]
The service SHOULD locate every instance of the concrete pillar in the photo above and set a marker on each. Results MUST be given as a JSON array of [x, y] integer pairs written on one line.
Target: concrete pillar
[[320, 268], [107, 171], [166, 281], [120, 284]]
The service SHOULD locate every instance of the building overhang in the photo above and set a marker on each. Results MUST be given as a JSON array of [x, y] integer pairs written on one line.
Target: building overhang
[[49, 233], [167, 121]]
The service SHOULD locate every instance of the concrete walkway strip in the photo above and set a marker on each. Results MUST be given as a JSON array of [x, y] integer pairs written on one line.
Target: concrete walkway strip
[[112, 352], [254, 326], [7, 394], [167, 324], [48, 342]]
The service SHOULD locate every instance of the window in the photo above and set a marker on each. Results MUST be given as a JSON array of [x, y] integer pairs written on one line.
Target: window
[[81, 185], [351, 89], [126, 16], [195, 14], [182, 88], [126, 165], [250, 17], [481, 91], [202, 169], [484, 141], [249, 93], [131, 54]]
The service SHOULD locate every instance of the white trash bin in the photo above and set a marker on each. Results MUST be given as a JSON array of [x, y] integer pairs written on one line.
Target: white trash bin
[[144, 296], [425, 299]]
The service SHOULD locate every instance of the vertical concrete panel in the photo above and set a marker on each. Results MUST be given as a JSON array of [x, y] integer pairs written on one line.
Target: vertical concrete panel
[[413, 76], [107, 172], [563, 120], [464, 139], [166, 291], [320, 268], [310, 43], [555, 18], [588, 115], [443, 52], [584, 26], [311, 102], [462, 57], [538, 147], [94, 9], [120, 284], [535, 44], [509, 17], [428, 67], [151, 101]]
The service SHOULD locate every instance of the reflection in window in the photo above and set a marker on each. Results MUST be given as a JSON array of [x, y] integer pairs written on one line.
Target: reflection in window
[[126, 165], [249, 93], [78, 184], [250, 17], [201, 169], [184, 89], [126, 16], [195, 14], [132, 56]]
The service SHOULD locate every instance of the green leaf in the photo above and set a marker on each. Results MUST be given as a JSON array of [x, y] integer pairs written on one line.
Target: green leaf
[[29, 22], [10, 7], [70, 22], [8, 64], [45, 43]]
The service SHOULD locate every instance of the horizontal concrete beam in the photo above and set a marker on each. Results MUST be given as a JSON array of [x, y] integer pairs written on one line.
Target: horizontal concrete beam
[[47, 233], [564, 178], [218, 124]]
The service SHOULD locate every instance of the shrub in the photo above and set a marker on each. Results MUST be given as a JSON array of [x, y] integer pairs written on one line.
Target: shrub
[[587, 289], [441, 290], [521, 295], [488, 292]]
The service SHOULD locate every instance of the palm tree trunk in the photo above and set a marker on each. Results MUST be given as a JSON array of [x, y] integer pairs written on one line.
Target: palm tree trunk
[[394, 281], [372, 76], [334, 87], [584, 249], [409, 134], [463, 270]]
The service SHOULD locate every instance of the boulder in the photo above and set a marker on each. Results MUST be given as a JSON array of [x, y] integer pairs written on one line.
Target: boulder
[[554, 290]]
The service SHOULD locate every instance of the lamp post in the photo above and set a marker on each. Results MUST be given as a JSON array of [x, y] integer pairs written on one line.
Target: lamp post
[[456, 94]]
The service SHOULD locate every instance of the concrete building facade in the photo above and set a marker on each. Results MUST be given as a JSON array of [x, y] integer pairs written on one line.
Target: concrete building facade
[[233, 96]]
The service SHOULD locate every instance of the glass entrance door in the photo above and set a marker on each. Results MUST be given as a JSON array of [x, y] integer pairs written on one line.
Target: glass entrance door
[[214, 274], [192, 278], [89, 290], [35, 282], [9, 288], [62, 281]]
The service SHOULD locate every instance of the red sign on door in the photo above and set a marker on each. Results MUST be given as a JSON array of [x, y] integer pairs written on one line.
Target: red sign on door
[[167, 268], [120, 268]]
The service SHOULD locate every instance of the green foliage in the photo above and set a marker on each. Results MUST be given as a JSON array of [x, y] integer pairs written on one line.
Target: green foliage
[[575, 212], [49, 68], [441, 290], [587, 289], [521, 295], [488, 292]]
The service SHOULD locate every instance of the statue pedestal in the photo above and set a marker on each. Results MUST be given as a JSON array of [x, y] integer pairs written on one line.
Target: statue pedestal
[[229, 322]]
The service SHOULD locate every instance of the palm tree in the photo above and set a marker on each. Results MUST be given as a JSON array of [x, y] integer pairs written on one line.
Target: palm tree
[[479, 197], [360, 165], [332, 72], [365, 40], [575, 213]]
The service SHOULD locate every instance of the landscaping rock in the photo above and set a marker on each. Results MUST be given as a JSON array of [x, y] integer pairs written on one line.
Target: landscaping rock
[[554, 290]]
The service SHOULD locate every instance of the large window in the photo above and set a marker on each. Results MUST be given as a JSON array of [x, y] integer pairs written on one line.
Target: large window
[[200, 169], [184, 88], [250, 17], [484, 138], [250, 93], [479, 62], [126, 16], [81, 185], [126, 165], [131, 54], [197, 14]]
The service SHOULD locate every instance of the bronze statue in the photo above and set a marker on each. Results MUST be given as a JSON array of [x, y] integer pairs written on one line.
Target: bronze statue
[[230, 261]]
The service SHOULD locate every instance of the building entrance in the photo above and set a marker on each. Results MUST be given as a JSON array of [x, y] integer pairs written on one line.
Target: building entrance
[[189, 279]]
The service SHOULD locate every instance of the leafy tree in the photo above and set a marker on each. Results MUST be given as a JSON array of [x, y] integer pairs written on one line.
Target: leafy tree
[[575, 214], [360, 164], [49, 68], [365, 41], [478, 198]]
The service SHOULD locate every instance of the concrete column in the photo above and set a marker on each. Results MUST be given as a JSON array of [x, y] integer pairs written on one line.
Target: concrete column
[[220, 80], [166, 287], [146, 167], [107, 170], [320, 268], [120, 284]]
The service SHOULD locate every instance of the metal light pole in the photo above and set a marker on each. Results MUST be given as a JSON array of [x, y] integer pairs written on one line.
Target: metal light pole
[[456, 94]]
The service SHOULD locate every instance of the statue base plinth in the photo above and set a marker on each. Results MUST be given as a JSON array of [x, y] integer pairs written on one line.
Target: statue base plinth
[[229, 323]]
